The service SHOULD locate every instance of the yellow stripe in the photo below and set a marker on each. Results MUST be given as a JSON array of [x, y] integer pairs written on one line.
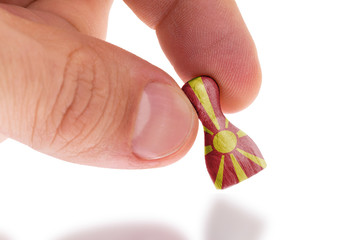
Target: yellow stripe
[[239, 171], [208, 149], [253, 158], [226, 123], [219, 179], [207, 130], [240, 133], [199, 89]]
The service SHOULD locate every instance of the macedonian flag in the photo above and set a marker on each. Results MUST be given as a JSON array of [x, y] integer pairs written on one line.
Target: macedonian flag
[[231, 156]]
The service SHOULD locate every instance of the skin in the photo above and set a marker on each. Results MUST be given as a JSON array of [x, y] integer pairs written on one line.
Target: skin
[[51, 47]]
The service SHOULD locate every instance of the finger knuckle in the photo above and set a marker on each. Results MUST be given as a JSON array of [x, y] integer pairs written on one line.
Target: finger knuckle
[[82, 99]]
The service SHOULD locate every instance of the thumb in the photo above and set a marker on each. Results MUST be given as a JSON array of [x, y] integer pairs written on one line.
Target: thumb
[[83, 100], [2, 138]]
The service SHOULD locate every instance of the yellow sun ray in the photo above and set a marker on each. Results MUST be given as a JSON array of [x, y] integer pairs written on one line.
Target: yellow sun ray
[[253, 158], [207, 130], [240, 133], [219, 179], [199, 89], [226, 123], [208, 149], [239, 171]]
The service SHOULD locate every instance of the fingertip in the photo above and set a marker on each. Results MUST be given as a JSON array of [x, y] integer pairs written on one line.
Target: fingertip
[[238, 76], [165, 124], [141, 163], [238, 92], [2, 138], [214, 41], [183, 150]]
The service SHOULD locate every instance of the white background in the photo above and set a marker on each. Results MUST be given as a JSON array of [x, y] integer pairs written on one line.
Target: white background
[[295, 121]]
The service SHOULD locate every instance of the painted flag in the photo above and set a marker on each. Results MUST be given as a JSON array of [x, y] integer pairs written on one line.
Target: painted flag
[[231, 156]]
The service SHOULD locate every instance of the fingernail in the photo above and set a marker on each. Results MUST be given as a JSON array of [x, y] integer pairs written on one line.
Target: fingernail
[[164, 121]]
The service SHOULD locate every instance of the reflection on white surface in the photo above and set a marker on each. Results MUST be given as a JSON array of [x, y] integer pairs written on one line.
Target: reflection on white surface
[[228, 221], [128, 232], [2, 237]]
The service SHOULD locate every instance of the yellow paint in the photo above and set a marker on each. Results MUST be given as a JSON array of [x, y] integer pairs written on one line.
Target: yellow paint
[[208, 149], [253, 158], [240, 133], [219, 179], [226, 123], [199, 89], [224, 141], [239, 171], [207, 130]]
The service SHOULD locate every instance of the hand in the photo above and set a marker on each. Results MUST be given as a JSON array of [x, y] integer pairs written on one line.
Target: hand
[[67, 93]]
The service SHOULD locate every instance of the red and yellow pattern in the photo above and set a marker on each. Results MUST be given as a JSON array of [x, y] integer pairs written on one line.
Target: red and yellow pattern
[[231, 156]]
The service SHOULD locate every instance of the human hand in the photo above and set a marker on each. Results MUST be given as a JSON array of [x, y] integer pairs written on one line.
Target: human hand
[[67, 93]]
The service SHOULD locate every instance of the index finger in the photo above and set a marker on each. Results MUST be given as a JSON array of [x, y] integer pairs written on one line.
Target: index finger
[[203, 37]]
